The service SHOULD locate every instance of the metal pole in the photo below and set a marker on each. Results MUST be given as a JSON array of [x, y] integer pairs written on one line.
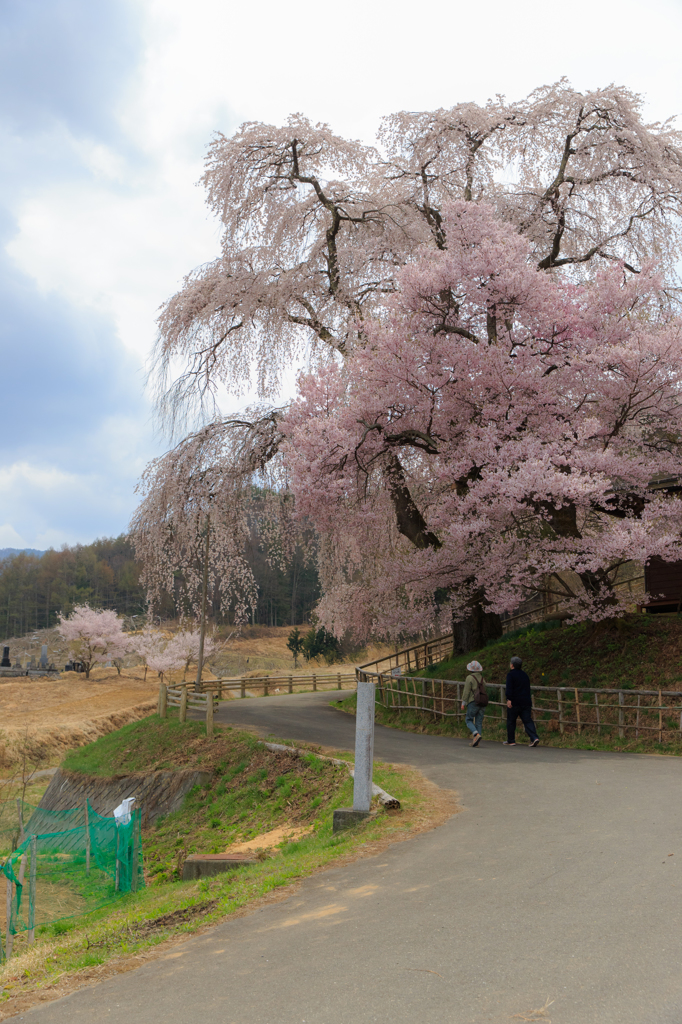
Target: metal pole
[[32, 891], [364, 747], [87, 840], [10, 937]]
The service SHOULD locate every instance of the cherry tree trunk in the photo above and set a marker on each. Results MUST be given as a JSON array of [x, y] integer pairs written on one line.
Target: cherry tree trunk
[[202, 633], [475, 629]]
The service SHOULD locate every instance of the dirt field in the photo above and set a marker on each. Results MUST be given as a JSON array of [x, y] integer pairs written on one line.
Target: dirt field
[[42, 718]]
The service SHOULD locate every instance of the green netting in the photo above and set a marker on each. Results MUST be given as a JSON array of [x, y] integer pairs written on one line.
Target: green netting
[[63, 868]]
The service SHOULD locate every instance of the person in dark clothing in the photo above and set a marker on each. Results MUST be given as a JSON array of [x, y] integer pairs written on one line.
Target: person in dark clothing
[[519, 704]]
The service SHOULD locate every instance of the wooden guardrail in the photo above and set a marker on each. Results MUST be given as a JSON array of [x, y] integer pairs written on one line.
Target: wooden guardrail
[[282, 684], [181, 697], [557, 707], [410, 659]]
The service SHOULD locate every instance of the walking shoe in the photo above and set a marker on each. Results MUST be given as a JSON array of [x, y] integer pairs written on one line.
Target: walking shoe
[[476, 740], [506, 743], [533, 743]]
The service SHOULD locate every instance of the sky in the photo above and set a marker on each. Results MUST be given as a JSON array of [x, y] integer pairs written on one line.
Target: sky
[[106, 109]]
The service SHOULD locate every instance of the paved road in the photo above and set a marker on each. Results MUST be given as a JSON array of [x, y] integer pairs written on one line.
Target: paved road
[[555, 882]]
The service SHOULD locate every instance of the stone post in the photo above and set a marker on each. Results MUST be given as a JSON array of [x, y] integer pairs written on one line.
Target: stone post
[[364, 747], [346, 817]]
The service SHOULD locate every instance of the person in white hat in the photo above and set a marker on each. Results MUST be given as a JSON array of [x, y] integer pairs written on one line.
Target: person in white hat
[[473, 700]]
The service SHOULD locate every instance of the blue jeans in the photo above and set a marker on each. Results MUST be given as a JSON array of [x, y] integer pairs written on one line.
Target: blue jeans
[[474, 717]]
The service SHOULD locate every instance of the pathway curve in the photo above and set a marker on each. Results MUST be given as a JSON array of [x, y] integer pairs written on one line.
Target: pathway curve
[[554, 883]]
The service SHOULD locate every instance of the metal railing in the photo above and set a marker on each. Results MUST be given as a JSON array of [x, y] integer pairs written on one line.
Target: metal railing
[[557, 708]]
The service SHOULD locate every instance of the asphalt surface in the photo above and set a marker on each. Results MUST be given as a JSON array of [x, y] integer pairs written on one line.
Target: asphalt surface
[[554, 883]]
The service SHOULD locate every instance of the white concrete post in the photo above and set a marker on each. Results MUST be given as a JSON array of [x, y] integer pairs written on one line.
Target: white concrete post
[[364, 747]]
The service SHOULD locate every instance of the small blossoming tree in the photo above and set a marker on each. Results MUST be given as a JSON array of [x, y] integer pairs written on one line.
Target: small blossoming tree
[[93, 636]]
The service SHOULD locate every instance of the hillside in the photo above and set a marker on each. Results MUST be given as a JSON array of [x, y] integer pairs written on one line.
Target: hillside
[[638, 651]]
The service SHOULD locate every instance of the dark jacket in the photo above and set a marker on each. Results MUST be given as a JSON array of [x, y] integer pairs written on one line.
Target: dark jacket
[[518, 688]]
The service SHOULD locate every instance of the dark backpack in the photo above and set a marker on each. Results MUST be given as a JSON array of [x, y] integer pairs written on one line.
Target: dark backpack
[[481, 694]]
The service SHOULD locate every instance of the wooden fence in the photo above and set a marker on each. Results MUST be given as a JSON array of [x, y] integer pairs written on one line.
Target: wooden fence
[[283, 684], [410, 659], [183, 698], [657, 713]]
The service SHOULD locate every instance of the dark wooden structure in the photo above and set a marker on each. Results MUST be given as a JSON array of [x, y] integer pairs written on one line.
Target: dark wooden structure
[[663, 582]]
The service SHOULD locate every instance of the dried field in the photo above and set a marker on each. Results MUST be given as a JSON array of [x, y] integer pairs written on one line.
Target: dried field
[[263, 649], [42, 718]]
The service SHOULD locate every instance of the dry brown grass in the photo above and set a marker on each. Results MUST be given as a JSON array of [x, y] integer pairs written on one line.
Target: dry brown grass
[[263, 649], [52, 716]]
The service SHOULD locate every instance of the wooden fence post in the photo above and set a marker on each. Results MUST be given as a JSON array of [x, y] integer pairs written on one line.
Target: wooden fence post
[[503, 703], [621, 715], [183, 704], [32, 891], [596, 702], [209, 714], [577, 710], [87, 839], [561, 711], [266, 687], [338, 680], [291, 685], [163, 701], [660, 717], [639, 699], [242, 687], [314, 682], [219, 692]]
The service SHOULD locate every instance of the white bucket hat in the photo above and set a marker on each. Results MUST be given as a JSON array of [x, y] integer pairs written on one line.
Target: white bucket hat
[[474, 666]]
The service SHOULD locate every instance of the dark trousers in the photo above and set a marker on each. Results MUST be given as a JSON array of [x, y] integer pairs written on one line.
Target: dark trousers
[[526, 716]]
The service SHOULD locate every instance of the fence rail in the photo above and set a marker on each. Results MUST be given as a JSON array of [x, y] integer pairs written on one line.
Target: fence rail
[[555, 707], [287, 684], [411, 659]]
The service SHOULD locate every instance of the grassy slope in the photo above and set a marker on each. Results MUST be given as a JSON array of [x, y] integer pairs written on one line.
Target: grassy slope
[[641, 651], [252, 791], [638, 651]]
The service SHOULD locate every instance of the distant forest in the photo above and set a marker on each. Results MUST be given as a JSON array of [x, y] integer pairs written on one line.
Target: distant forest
[[33, 588]]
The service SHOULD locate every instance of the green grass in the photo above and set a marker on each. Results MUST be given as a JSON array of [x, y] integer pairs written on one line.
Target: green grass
[[252, 791], [150, 744], [637, 651]]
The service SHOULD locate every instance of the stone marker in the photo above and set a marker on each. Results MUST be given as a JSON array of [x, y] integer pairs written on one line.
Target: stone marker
[[5, 663], [43, 656], [346, 817]]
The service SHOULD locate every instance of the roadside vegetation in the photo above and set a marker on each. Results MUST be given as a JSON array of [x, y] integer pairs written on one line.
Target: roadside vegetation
[[634, 652], [252, 791], [642, 652]]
